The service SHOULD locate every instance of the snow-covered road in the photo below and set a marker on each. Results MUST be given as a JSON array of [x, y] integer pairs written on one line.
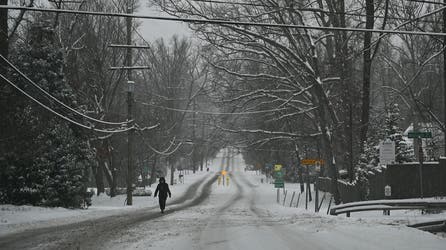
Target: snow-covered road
[[243, 215]]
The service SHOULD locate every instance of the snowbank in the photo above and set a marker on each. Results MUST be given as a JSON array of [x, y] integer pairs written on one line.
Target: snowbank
[[18, 218]]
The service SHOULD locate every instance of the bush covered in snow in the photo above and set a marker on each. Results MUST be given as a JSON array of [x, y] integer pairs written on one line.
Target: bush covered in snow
[[368, 163]]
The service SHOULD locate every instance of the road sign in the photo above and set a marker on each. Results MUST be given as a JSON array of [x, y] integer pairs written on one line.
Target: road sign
[[419, 134], [387, 152], [312, 162], [278, 175], [278, 184], [387, 191]]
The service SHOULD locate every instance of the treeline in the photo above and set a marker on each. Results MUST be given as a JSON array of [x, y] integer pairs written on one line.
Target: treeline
[[325, 93], [64, 111]]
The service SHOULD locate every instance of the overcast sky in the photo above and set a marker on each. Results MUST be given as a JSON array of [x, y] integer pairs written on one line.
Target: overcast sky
[[154, 29], [151, 29]]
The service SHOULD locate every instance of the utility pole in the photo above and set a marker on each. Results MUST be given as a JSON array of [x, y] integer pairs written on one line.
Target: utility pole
[[172, 171], [202, 146], [129, 105], [194, 154], [129, 67], [421, 159]]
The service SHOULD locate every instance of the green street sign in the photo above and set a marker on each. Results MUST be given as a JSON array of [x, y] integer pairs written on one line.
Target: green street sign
[[279, 175], [419, 134], [145, 169], [279, 184]]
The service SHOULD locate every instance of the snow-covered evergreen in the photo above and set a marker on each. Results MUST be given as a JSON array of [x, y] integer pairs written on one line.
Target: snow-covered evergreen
[[48, 163], [403, 152]]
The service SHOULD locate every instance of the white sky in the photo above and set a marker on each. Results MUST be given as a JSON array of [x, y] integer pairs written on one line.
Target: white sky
[[154, 29]]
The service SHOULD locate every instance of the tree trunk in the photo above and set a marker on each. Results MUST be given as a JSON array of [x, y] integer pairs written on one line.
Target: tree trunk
[[107, 170], [299, 170], [444, 75], [99, 177], [172, 171], [5, 101], [4, 43], [341, 138], [153, 171], [366, 75]]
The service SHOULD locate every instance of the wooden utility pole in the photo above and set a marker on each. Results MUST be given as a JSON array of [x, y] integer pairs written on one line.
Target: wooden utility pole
[[129, 67], [366, 75], [202, 146], [194, 153], [129, 105], [172, 171], [420, 169]]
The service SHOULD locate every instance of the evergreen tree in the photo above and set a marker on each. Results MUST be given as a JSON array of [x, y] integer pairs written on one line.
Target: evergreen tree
[[47, 163], [403, 152]]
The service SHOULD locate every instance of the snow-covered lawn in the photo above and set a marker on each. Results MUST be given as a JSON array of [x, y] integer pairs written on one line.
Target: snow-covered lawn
[[400, 217], [18, 218]]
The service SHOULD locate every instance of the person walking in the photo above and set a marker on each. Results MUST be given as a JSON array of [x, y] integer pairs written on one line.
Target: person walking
[[163, 189]]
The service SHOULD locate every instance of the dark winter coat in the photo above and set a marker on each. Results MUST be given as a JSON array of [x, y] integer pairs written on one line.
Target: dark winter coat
[[163, 189]]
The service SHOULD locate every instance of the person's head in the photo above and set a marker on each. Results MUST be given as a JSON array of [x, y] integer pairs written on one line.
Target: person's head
[[162, 180]]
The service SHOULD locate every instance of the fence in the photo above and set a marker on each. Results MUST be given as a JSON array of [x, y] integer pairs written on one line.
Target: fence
[[348, 192], [404, 180]]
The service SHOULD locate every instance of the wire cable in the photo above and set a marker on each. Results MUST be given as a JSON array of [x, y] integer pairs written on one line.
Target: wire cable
[[313, 10], [213, 113], [165, 152], [227, 22], [424, 1], [60, 115], [57, 100]]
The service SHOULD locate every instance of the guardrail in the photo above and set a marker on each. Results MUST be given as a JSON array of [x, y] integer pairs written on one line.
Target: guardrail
[[387, 205], [431, 226]]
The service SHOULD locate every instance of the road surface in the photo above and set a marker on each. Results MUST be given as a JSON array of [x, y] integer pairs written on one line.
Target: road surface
[[241, 215]]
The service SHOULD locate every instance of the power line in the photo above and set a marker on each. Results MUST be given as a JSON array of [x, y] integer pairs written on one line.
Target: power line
[[347, 13], [213, 113], [280, 7], [60, 115], [223, 22], [442, 9], [54, 98], [165, 152], [424, 1], [242, 4]]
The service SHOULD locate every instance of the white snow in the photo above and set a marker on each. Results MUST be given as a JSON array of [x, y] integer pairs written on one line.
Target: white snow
[[248, 217], [18, 218]]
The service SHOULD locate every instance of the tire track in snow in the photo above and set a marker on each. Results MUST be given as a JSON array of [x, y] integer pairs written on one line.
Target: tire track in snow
[[91, 234], [205, 239], [291, 239]]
